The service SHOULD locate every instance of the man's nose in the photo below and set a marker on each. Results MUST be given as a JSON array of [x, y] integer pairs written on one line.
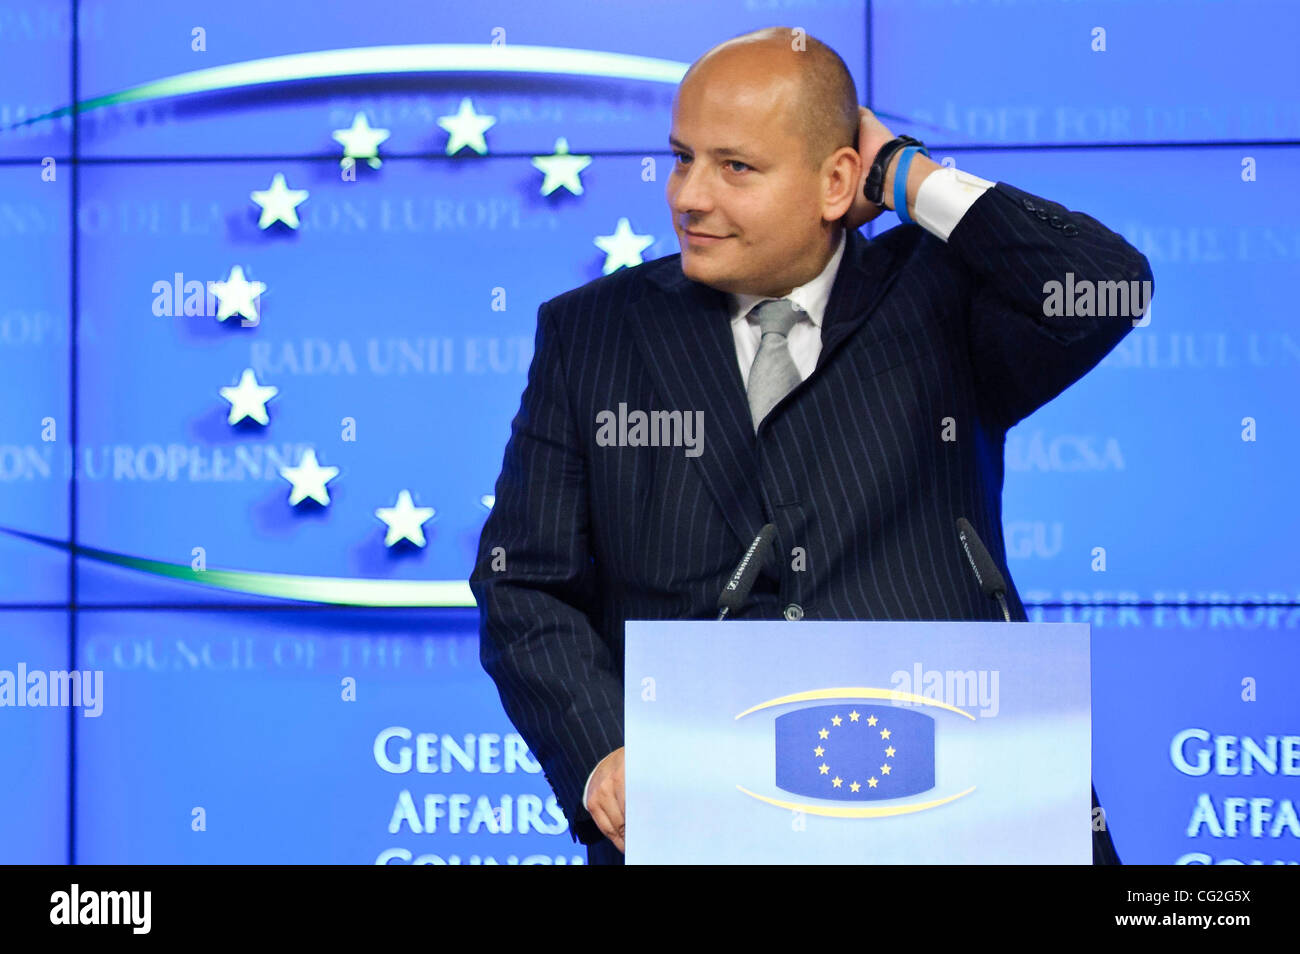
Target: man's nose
[[693, 191]]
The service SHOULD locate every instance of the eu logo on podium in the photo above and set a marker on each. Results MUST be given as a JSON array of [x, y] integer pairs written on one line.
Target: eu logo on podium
[[855, 752]]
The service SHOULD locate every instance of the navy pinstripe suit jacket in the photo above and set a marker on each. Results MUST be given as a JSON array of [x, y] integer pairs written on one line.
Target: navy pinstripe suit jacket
[[918, 336]]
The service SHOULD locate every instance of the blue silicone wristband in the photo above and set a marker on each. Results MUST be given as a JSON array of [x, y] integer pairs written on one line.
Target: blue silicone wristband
[[900, 182]]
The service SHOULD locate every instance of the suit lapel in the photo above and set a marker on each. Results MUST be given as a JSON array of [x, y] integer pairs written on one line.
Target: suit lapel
[[684, 332], [865, 275], [683, 328]]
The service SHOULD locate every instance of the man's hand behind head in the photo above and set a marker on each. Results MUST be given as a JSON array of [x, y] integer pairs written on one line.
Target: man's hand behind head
[[872, 135]]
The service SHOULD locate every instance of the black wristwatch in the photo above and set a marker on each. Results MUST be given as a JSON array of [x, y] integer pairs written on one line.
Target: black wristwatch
[[874, 188]]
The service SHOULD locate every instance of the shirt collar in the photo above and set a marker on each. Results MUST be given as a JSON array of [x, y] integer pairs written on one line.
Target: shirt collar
[[811, 298]]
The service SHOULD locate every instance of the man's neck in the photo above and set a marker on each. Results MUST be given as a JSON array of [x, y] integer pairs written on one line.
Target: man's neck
[[827, 254]]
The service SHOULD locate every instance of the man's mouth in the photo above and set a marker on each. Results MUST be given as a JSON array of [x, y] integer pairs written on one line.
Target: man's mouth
[[703, 238]]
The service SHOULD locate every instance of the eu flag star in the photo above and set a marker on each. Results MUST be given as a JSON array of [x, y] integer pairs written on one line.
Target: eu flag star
[[279, 203], [360, 142], [466, 128], [309, 479], [237, 296], [404, 520], [624, 247], [248, 399], [561, 168]]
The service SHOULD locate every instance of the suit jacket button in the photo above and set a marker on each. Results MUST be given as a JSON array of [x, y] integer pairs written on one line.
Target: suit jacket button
[[1056, 221], [794, 612], [1027, 204], [1042, 214], [1070, 229]]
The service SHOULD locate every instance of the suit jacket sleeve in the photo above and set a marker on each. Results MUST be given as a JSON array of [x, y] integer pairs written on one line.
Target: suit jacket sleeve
[[1013, 243], [535, 587]]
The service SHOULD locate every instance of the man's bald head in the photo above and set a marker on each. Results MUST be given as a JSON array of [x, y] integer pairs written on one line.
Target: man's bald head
[[764, 139], [824, 101]]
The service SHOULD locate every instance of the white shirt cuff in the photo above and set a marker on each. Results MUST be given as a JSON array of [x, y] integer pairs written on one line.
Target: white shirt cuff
[[585, 787], [944, 197]]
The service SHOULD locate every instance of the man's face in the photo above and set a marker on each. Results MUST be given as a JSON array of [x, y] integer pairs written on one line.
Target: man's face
[[740, 173]]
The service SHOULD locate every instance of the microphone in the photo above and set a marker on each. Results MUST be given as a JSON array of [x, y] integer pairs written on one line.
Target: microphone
[[736, 591], [986, 571]]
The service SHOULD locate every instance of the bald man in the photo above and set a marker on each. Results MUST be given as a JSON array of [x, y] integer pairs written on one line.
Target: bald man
[[821, 364]]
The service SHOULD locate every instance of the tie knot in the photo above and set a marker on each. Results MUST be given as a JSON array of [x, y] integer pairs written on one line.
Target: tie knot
[[776, 314]]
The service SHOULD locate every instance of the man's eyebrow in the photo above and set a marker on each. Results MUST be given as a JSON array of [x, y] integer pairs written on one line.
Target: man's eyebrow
[[722, 152]]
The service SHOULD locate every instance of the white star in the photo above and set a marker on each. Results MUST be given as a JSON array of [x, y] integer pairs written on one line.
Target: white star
[[561, 168], [309, 479], [238, 296], [404, 520], [249, 399], [466, 128], [279, 203], [624, 247], [360, 141]]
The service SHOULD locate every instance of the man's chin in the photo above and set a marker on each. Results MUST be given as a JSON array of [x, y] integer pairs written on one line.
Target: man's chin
[[698, 269]]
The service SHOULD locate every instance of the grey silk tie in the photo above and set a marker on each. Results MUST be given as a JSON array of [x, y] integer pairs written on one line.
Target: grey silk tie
[[773, 374]]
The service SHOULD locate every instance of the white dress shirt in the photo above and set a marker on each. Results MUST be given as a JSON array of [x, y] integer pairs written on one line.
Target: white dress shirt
[[944, 197]]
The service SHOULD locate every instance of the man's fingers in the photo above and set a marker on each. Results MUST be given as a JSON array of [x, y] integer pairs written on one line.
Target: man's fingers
[[620, 791], [613, 809], [609, 819], [607, 828]]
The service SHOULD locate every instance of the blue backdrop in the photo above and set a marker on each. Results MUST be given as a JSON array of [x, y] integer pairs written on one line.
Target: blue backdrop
[[266, 661]]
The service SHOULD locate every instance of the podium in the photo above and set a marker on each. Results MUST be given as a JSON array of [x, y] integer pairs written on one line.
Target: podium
[[838, 742]]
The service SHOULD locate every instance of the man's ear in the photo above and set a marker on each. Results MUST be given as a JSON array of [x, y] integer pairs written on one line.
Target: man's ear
[[844, 157]]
